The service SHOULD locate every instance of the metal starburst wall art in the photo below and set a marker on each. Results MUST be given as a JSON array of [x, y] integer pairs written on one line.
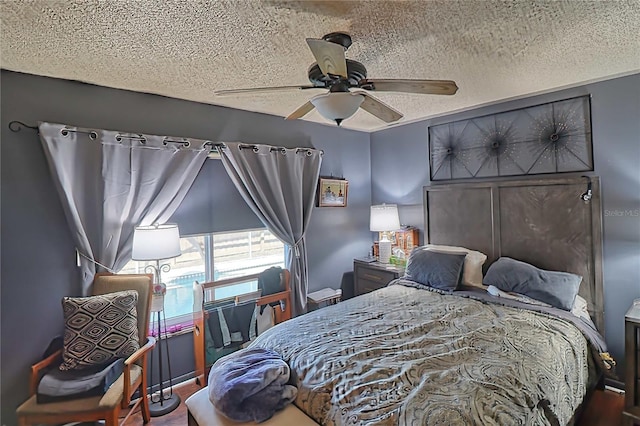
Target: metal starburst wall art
[[548, 138]]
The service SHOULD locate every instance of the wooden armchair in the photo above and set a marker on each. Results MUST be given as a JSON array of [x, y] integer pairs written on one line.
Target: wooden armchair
[[134, 377]]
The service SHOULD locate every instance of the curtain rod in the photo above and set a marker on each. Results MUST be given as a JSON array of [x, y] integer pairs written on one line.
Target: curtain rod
[[280, 149], [215, 147], [16, 126]]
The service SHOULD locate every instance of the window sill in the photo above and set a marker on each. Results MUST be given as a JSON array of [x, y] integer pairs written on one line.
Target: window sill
[[176, 327], [185, 330]]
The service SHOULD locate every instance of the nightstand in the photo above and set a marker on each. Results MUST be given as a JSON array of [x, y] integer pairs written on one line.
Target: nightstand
[[631, 411], [370, 276]]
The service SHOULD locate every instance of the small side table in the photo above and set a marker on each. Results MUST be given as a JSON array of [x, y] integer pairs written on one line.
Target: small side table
[[631, 413], [370, 276], [328, 296]]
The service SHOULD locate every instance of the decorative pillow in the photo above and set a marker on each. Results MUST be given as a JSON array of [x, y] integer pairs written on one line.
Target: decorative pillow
[[99, 329], [472, 271], [558, 289], [435, 269]]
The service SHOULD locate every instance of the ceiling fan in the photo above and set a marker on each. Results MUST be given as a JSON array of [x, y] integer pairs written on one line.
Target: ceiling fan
[[334, 72]]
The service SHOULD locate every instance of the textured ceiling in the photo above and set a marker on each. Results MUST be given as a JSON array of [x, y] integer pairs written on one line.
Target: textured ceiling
[[494, 50]]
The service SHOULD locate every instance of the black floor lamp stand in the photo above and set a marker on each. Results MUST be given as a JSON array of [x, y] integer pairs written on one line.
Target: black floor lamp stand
[[163, 404]]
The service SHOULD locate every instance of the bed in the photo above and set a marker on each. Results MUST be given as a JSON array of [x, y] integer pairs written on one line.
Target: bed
[[410, 354]]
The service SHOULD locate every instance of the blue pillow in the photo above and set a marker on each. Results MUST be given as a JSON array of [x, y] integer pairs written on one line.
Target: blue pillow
[[435, 269], [558, 289]]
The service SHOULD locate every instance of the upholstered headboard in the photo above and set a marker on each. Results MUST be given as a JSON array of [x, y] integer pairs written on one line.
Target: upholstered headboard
[[544, 222]]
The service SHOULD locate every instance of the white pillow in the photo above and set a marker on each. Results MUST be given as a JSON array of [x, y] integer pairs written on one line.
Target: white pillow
[[473, 261], [580, 308]]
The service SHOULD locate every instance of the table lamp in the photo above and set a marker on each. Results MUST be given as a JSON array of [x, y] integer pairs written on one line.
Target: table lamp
[[384, 218], [159, 242]]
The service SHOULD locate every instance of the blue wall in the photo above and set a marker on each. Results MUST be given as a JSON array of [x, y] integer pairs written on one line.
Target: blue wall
[[38, 258], [400, 168]]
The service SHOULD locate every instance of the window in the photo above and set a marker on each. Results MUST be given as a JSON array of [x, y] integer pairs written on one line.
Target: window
[[214, 257]]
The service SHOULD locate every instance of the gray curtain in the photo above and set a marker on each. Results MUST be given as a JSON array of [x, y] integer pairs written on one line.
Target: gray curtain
[[279, 184], [110, 182]]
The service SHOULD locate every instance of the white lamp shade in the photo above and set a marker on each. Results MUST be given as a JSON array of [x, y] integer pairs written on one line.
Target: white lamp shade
[[156, 242], [337, 105], [384, 217]]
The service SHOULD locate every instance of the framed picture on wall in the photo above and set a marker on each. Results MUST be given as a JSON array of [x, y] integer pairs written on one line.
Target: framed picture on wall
[[332, 192]]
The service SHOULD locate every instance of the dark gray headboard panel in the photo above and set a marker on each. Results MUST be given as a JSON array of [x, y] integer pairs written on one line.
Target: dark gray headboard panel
[[543, 222]]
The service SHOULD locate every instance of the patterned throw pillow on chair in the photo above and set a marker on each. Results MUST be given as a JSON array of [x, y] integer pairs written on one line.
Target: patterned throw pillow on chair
[[99, 329]]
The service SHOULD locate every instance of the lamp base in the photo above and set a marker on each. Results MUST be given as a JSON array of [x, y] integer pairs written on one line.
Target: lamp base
[[384, 250], [164, 406]]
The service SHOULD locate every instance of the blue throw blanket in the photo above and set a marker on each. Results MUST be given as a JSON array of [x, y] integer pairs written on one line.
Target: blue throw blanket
[[250, 385]]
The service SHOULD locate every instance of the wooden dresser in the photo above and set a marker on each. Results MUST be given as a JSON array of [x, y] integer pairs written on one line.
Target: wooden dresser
[[370, 276], [631, 413]]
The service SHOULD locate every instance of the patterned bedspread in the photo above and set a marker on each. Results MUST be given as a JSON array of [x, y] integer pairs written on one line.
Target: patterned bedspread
[[407, 356]]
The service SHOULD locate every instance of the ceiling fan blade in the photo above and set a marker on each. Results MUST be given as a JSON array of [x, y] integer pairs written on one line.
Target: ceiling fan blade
[[329, 56], [301, 112], [261, 89], [378, 108], [427, 87]]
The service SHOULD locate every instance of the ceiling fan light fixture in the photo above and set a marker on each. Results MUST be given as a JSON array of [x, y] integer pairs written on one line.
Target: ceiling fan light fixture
[[337, 106]]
